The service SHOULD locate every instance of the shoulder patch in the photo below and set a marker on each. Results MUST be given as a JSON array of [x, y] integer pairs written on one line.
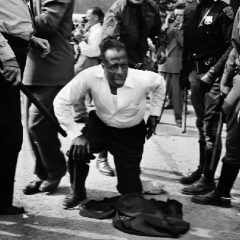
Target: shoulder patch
[[229, 12]]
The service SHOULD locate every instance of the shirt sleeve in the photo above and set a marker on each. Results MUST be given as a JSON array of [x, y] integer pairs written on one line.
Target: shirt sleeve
[[73, 93], [6, 52], [158, 89], [91, 49]]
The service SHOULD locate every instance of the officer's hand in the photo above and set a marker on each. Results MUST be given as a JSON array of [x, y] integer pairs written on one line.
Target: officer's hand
[[161, 55], [151, 126], [204, 87], [224, 90], [42, 45], [80, 148], [11, 71]]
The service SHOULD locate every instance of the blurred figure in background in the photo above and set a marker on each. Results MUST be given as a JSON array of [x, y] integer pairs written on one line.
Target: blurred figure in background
[[171, 68]]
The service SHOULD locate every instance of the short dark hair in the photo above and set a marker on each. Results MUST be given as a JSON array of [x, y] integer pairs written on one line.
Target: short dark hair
[[110, 43], [98, 12]]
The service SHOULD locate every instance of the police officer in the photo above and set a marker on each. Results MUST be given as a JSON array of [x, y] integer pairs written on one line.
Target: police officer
[[207, 43], [230, 86]]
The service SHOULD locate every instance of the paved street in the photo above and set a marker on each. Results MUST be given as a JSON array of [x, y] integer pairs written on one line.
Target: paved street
[[168, 155]]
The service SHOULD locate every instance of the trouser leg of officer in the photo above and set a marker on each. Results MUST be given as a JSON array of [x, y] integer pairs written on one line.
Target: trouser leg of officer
[[50, 161], [11, 130], [231, 161], [198, 101], [207, 110]]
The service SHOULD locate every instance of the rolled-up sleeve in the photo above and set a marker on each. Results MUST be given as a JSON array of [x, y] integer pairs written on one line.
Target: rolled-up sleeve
[[6, 52], [72, 93], [158, 89]]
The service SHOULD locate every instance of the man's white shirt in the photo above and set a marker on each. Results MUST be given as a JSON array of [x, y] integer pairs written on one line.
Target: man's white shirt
[[124, 110], [94, 37]]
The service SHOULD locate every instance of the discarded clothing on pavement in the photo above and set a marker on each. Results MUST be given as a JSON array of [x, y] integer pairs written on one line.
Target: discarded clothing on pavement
[[134, 214]]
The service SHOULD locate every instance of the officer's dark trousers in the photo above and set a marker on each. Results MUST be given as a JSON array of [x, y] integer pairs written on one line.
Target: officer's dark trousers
[[231, 108], [207, 109], [10, 127], [126, 146], [50, 161]]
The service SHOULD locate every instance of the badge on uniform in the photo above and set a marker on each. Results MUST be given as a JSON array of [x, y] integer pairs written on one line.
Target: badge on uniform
[[208, 20]]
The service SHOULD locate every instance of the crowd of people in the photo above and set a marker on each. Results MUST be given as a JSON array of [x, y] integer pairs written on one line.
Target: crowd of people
[[101, 74]]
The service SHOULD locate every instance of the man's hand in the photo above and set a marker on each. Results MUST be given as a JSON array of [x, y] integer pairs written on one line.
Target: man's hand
[[161, 56], [151, 126], [42, 45], [11, 71], [80, 148], [224, 90]]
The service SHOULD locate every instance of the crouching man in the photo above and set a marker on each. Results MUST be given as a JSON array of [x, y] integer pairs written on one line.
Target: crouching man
[[117, 124]]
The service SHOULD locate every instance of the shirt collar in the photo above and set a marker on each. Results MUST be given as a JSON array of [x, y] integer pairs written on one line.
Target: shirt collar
[[129, 79]]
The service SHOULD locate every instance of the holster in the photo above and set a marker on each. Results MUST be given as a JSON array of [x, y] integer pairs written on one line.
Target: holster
[[202, 66]]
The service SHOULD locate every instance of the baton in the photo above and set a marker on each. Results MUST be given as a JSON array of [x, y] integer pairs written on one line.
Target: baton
[[216, 143], [218, 137], [42, 109], [184, 115]]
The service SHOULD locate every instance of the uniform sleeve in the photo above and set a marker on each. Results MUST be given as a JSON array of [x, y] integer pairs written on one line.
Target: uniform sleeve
[[226, 23], [73, 93], [111, 25], [51, 15], [229, 70], [6, 52], [158, 89]]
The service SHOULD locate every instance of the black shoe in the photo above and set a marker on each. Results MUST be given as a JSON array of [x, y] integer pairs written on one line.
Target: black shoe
[[72, 200], [49, 185], [202, 186], [191, 178], [168, 106], [212, 199], [12, 210], [104, 168], [32, 187]]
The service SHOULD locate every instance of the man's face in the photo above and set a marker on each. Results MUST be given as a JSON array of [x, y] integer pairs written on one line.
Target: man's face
[[179, 15], [115, 67], [91, 18], [136, 1]]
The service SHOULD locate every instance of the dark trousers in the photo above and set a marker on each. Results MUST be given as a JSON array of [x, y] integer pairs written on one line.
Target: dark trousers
[[50, 161], [10, 126], [231, 108], [207, 108], [126, 146]]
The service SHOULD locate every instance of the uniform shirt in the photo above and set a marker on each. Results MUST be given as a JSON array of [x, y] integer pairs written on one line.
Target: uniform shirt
[[124, 110], [94, 37], [15, 19], [6, 52]]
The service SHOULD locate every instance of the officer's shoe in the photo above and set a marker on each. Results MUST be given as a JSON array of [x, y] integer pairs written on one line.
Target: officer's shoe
[[104, 167], [12, 210], [73, 200], [49, 185], [191, 178], [202, 186], [212, 199]]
